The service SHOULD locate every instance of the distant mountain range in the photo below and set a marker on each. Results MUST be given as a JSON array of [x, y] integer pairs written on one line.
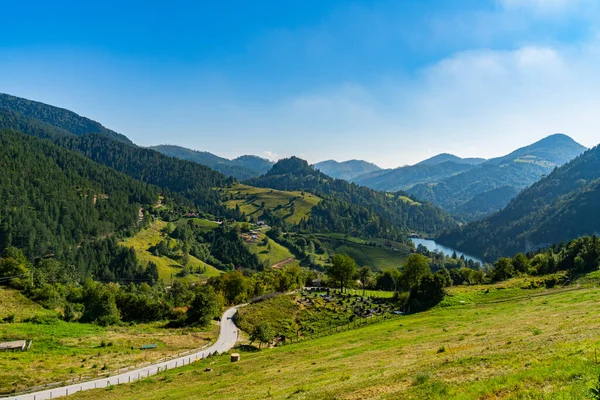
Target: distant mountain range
[[560, 207], [243, 167], [445, 157], [346, 169], [472, 188]]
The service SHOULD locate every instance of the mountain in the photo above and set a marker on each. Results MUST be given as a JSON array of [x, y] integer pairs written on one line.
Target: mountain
[[353, 209], [560, 207], [240, 168], [445, 157], [517, 170], [58, 117], [254, 163], [190, 182], [404, 178], [346, 169], [57, 203]]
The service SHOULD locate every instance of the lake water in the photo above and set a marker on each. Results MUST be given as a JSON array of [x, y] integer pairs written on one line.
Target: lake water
[[432, 245]]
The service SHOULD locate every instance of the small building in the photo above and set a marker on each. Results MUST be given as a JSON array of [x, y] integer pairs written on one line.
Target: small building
[[17, 345]]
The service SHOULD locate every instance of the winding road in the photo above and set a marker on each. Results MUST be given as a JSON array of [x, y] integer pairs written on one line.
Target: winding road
[[227, 338]]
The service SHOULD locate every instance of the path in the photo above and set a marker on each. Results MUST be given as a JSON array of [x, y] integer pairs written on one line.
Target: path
[[227, 338], [280, 264]]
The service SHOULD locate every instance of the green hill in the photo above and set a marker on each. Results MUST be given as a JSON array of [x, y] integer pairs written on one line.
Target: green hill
[[254, 202], [559, 207], [352, 209], [59, 117], [241, 168], [483, 342], [347, 170]]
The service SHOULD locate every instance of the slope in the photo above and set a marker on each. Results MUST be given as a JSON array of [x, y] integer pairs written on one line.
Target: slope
[[346, 169], [504, 343], [240, 168], [290, 206], [404, 178], [559, 207], [352, 209], [58, 117], [52, 198]]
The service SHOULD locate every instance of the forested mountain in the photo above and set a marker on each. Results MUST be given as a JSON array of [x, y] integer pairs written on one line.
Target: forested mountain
[[188, 180], [517, 170], [255, 163], [346, 169], [53, 200], [354, 209], [445, 157], [57, 117], [561, 206], [240, 168], [404, 178]]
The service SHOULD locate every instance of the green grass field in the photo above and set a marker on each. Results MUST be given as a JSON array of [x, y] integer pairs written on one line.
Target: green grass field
[[167, 267], [250, 200], [486, 342], [272, 253], [375, 257], [67, 350]]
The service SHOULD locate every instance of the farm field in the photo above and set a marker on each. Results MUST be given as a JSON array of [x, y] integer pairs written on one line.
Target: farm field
[[168, 267], [250, 200], [484, 342], [67, 350]]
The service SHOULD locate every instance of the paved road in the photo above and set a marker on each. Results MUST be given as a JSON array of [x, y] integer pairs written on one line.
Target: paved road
[[227, 339]]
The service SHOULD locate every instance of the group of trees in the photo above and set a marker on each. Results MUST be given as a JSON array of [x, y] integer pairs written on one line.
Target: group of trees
[[415, 277]]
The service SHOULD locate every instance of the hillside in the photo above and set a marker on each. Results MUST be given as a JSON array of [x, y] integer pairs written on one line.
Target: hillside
[[53, 198], [404, 178], [58, 117], [478, 344], [352, 209], [445, 157], [559, 207], [290, 206], [346, 169], [240, 168], [517, 170]]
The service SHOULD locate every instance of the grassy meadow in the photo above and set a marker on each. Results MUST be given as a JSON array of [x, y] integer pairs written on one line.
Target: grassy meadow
[[483, 342], [67, 350], [250, 200], [272, 253], [167, 267]]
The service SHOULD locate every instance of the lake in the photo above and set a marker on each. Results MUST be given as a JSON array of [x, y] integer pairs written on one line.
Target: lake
[[433, 245]]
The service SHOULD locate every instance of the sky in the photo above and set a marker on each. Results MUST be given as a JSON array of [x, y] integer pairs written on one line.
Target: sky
[[392, 82]]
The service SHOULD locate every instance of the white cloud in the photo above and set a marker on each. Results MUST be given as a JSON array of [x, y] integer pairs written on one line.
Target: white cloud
[[271, 156], [544, 6]]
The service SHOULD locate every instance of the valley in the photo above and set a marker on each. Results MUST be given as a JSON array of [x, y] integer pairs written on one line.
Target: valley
[[138, 254]]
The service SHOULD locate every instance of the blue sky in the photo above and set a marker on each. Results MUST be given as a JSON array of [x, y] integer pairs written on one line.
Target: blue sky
[[391, 82]]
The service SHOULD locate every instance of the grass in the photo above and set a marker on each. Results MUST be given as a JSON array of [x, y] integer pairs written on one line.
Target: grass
[[250, 200], [491, 351], [378, 257], [167, 267], [67, 350], [272, 253], [14, 303]]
